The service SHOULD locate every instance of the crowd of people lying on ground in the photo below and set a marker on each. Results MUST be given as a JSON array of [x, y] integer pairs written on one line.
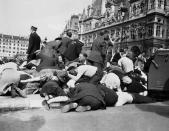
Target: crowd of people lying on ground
[[80, 81]]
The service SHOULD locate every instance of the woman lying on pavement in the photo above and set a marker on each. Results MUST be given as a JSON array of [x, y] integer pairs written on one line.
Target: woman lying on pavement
[[87, 97], [84, 97]]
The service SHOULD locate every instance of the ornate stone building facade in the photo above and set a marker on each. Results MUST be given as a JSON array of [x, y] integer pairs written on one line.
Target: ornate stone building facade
[[72, 25], [142, 23]]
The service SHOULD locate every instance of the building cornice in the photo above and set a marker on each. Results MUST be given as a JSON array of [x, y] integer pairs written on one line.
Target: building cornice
[[125, 22]]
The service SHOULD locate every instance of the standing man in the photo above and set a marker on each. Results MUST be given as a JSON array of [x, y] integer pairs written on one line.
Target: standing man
[[98, 52], [34, 44], [64, 45]]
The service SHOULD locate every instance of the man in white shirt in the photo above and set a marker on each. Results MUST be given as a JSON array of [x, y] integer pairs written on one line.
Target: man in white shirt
[[126, 64], [89, 71]]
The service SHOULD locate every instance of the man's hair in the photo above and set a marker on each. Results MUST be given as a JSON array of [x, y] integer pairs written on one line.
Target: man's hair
[[69, 34], [71, 68], [85, 54], [58, 38], [121, 50]]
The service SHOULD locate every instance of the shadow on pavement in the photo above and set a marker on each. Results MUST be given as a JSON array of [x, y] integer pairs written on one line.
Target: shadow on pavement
[[162, 110], [12, 124]]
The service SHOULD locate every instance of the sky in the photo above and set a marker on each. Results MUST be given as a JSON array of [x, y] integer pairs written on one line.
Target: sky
[[50, 16]]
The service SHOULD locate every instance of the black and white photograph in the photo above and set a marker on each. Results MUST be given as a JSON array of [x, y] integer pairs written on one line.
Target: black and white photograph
[[84, 65]]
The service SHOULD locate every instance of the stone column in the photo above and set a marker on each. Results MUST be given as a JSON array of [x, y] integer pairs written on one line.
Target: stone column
[[155, 28]]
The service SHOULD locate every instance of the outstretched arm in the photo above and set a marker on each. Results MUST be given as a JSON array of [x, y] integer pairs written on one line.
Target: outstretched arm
[[31, 80], [58, 99]]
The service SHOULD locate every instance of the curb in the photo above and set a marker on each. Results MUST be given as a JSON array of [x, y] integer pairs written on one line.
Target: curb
[[15, 104]]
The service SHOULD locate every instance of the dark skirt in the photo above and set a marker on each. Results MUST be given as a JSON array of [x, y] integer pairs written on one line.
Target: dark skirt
[[110, 96], [88, 94], [91, 101]]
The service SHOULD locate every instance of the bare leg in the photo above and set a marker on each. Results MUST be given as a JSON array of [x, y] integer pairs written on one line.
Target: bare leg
[[83, 108], [45, 103], [31, 80], [123, 98]]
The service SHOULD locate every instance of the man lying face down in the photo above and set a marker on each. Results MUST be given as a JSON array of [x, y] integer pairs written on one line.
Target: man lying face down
[[84, 73]]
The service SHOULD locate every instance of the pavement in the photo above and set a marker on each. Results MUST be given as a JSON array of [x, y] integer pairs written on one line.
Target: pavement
[[27, 114], [142, 117], [18, 103]]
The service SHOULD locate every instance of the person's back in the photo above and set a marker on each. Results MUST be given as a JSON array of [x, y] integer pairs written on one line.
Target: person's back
[[97, 43], [64, 44], [126, 64], [73, 50], [98, 52], [46, 62], [87, 70], [111, 80]]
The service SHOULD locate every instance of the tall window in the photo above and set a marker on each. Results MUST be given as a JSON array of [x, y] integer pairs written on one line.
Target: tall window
[[134, 9], [152, 4], [117, 33], [160, 3], [142, 7], [133, 35], [112, 33], [168, 32], [158, 30], [140, 33], [150, 30]]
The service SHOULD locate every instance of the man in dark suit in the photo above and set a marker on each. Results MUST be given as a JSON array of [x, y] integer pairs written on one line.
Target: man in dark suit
[[64, 44], [99, 49], [34, 44], [73, 50]]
